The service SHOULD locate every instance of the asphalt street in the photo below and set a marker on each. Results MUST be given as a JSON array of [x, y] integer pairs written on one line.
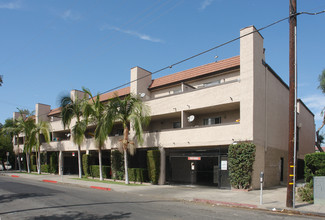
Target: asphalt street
[[28, 199]]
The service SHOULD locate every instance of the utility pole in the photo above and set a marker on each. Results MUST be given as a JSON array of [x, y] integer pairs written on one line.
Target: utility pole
[[292, 101]]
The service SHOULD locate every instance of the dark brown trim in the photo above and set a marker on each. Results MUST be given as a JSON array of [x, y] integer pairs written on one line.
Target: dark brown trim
[[275, 74], [299, 100]]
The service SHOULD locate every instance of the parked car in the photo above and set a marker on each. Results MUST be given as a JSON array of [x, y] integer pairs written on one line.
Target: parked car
[[7, 165]]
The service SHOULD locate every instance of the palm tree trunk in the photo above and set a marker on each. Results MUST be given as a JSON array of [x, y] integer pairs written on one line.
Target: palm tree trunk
[[18, 154], [125, 146], [126, 166], [100, 164], [39, 160], [27, 162], [79, 162]]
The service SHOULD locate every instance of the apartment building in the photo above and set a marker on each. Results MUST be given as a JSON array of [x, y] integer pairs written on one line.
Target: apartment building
[[197, 113]]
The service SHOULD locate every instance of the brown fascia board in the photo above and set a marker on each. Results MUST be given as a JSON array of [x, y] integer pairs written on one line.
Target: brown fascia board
[[275, 74], [196, 77], [299, 100], [285, 85]]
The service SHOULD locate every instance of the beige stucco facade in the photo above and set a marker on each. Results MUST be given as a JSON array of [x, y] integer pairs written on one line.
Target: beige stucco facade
[[249, 101]]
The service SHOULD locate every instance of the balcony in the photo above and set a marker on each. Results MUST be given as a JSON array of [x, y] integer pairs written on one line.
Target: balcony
[[200, 98], [220, 134]]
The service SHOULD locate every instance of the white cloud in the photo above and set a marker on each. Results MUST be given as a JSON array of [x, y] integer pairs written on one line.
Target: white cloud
[[316, 103], [10, 5], [133, 33], [70, 15], [205, 4]]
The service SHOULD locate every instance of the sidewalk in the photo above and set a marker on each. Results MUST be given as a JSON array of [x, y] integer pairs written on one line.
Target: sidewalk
[[273, 198]]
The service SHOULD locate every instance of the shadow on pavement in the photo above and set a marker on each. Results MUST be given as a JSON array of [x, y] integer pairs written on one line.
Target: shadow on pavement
[[82, 216], [79, 205], [11, 197]]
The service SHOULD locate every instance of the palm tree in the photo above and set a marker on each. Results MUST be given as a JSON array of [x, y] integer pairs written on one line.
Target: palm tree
[[74, 109], [43, 128], [95, 112], [130, 110], [27, 125]]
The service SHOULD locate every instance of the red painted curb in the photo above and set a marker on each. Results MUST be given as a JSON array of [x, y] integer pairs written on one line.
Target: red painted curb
[[225, 203], [14, 176], [101, 188], [49, 181]]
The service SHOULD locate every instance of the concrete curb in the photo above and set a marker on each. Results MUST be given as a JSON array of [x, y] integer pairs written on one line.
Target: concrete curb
[[255, 207], [231, 204], [50, 181], [101, 188]]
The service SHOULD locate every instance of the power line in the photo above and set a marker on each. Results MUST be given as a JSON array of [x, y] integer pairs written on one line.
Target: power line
[[206, 51], [211, 49]]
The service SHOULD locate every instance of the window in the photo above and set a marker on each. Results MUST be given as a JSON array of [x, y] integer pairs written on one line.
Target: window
[[176, 124], [212, 121]]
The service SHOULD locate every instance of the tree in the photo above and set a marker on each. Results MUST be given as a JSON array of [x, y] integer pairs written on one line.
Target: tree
[[74, 109], [94, 110], [13, 128], [6, 141], [129, 110], [1, 81], [319, 137], [43, 128], [27, 123]]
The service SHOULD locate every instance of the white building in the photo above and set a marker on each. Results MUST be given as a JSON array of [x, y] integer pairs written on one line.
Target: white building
[[197, 113]]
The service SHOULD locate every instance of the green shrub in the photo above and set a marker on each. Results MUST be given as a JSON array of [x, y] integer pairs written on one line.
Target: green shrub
[[241, 157], [117, 163], [306, 193], [85, 164], [94, 171], [33, 159], [314, 166], [153, 160], [138, 174], [53, 167], [33, 168], [44, 168]]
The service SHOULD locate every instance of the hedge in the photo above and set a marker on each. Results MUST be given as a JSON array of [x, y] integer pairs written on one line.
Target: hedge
[[86, 164], [153, 160], [53, 167], [45, 168], [314, 165], [33, 159], [33, 168], [94, 171], [138, 175], [117, 163], [241, 157]]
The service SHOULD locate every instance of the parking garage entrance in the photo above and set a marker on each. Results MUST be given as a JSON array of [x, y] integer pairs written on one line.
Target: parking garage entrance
[[198, 166]]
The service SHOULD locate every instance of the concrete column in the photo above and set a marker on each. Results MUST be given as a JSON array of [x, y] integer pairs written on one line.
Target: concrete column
[[162, 176], [60, 163]]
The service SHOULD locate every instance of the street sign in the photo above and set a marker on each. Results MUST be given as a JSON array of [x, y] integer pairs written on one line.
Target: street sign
[[224, 165], [193, 158]]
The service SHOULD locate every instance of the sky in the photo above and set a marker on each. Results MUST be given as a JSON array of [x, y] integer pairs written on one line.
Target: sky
[[48, 48]]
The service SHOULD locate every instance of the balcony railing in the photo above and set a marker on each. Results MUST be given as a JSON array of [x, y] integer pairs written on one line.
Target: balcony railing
[[220, 134]]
